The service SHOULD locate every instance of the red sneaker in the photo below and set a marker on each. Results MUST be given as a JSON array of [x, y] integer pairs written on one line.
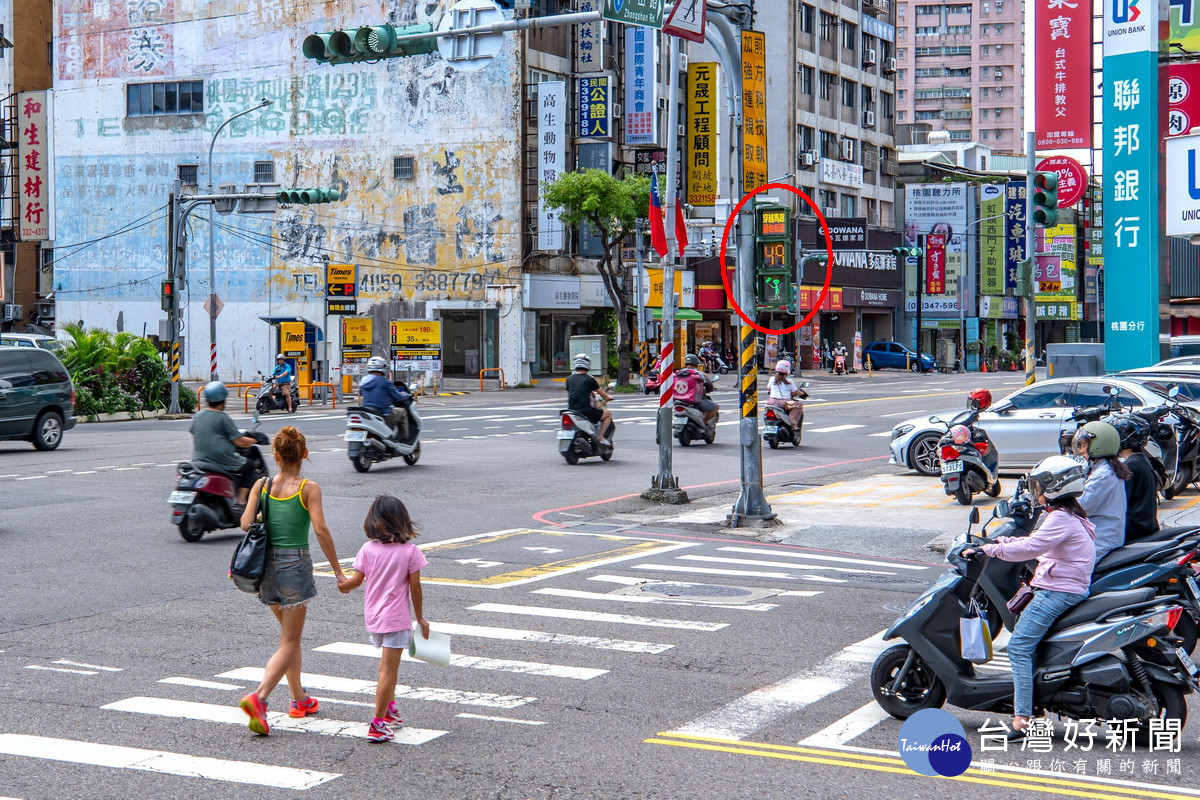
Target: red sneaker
[[379, 731], [302, 708], [257, 711], [392, 716]]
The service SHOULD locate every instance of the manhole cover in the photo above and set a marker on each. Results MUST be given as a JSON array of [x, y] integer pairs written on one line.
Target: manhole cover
[[895, 608], [884, 579], [694, 590]]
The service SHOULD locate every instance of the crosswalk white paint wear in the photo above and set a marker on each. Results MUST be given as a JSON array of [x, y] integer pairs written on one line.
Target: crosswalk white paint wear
[[748, 713], [598, 616], [476, 662], [136, 758], [543, 637], [818, 557], [232, 715], [626, 598], [331, 683], [849, 727]]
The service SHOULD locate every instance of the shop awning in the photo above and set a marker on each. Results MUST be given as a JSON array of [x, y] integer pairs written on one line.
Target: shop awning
[[680, 313], [277, 320]]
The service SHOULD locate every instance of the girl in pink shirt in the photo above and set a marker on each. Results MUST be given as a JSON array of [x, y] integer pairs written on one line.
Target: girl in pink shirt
[[390, 566]]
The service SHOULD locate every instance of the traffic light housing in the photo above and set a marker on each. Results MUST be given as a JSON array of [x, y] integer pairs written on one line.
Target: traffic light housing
[[773, 257], [304, 197], [1045, 199], [168, 291], [1025, 278], [368, 43]]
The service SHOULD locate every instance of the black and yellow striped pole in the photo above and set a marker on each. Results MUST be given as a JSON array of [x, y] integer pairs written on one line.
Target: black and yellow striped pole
[[747, 358], [175, 361]]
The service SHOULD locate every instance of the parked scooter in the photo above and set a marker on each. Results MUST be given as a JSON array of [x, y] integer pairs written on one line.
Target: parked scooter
[[579, 437], [371, 440], [205, 495], [652, 384], [1113, 656], [1187, 439], [271, 398], [777, 425], [970, 461]]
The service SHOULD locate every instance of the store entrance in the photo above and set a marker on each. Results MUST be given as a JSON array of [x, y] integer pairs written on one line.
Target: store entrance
[[462, 343]]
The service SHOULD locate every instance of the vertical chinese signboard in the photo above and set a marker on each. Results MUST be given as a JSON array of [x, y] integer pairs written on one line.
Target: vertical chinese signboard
[[35, 167], [701, 147], [1134, 95], [754, 110], [1063, 66], [552, 158], [589, 51], [991, 232], [641, 85], [1183, 95], [1014, 231], [935, 263], [593, 108]]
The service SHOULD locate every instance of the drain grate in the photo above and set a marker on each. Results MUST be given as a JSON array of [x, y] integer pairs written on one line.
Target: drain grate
[[694, 590]]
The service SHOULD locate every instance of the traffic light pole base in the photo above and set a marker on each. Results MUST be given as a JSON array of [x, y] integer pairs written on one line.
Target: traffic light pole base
[[665, 490]]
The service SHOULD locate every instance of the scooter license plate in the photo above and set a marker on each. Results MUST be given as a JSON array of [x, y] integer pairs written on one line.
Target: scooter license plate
[[356, 436], [1193, 587], [566, 434], [1187, 662], [178, 498], [951, 467], [770, 430]]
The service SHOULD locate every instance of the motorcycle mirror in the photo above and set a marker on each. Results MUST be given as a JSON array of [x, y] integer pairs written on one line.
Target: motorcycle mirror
[[974, 516], [1173, 391], [936, 420], [804, 385], [612, 384], [1001, 509], [1112, 391]]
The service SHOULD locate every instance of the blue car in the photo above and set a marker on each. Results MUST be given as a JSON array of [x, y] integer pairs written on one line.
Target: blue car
[[896, 356]]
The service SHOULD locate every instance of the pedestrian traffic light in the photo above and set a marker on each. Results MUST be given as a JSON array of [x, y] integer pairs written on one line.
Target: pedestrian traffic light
[[773, 256], [169, 289], [306, 197], [902, 253], [368, 43], [1025, 278], [1045, 199]]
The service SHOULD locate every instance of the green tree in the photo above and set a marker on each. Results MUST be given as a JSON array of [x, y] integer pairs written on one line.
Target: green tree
[[611, 207]]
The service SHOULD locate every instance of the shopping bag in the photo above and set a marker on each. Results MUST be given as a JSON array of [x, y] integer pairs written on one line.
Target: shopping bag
[[975, 635]]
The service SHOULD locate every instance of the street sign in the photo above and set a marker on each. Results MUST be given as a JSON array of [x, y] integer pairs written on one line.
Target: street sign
[[648, 13], [687, 20], [341, 281], [472, 51], [357, 332], [754, 110], [335, 307], [220, 305], [416, 333]]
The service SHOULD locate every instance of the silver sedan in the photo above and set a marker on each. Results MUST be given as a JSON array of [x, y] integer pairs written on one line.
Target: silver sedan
[[1024, 426]]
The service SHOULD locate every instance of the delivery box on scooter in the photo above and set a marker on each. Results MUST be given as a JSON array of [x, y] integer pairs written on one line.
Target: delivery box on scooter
[[689, 386]]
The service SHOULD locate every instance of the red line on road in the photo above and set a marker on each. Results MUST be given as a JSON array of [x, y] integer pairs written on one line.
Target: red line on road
[[540, 516]]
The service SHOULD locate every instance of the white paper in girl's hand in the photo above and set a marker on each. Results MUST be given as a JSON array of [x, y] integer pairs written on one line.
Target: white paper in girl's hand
[[434, 650]]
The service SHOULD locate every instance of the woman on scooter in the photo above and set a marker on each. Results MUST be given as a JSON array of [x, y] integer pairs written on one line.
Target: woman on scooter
[[1104, 496], [1141, 490], [1064, 544], [783, 393]]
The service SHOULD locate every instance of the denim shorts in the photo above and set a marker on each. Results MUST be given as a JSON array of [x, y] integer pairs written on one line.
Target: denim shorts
[[288, 579]]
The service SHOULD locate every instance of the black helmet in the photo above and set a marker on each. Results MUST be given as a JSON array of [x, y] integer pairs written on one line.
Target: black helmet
[[692, 360], [1133, 430]]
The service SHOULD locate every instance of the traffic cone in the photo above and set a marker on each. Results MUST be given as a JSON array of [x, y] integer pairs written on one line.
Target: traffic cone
[[983, 366]]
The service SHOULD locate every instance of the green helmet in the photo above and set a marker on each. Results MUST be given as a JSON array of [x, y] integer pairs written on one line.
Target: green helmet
[[1102, 438]]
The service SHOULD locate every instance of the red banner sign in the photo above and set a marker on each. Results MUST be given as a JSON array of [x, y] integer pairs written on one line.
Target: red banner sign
[[1062, 42], [1183, 96], [935, 263], [1072, 179]]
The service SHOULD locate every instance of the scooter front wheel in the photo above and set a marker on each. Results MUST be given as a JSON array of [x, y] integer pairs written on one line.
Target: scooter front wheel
[[921, 690]]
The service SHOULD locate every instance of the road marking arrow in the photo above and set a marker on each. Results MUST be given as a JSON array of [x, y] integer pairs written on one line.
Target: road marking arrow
[[479, 562], [542, 549]]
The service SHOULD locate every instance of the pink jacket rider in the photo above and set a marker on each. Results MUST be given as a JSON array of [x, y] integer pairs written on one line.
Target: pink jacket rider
[[1065, 547]]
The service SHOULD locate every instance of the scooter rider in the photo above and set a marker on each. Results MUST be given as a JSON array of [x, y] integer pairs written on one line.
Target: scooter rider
[[1064, 544], [376, 391], [1141, 490], [215, 440], [580, 387], [709, 357], [690, 372], [1103, 497], [283, 376], [783, 392]]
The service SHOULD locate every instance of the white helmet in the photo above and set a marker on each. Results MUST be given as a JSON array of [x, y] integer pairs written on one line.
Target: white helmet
[[1058, 477], [280, 356], [376, 364], [581, 362]]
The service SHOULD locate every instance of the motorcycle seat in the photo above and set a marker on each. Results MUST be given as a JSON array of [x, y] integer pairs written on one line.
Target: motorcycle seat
[[1089, 609], [364, 410], [205, 466], [1130, 554]]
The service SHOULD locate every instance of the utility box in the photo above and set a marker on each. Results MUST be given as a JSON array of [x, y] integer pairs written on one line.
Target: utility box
[[947, 354], [594, 347], [1078, 360]]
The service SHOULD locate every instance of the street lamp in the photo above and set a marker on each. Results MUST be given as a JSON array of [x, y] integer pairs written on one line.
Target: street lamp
[[212, 285]]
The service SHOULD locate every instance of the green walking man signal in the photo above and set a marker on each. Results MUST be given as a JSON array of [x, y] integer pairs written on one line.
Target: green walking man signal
[[773, 256], [368, 43]]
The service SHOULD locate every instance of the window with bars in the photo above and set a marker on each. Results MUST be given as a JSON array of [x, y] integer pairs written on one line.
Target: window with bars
[[808, 16], [849, 35], [828, 23], [826, 84], [264, 171], [189, 174], [403, 168], [806, 79], [849, 94], [175, 97]]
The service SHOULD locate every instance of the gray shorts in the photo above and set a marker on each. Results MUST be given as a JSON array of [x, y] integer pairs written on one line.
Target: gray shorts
[[288, 579], [397, 640], [707, 405]]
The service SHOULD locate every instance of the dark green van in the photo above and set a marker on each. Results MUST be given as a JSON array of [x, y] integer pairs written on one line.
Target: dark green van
[[37, 400]]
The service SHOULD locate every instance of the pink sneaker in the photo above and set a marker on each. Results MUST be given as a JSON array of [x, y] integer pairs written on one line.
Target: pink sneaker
[[302, 708], [379, 731], [392, 717]]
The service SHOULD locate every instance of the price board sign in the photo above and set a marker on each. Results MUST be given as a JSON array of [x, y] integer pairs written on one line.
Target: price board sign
[[421, 333]]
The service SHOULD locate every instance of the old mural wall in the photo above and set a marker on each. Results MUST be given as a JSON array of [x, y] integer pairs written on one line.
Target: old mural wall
[[437, 239]]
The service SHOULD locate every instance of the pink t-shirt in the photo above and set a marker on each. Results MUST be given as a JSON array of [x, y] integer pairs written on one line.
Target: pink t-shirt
[[386, 568]]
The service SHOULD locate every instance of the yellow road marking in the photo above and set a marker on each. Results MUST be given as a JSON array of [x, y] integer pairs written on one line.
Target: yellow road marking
[[845, 758], [644, 548]]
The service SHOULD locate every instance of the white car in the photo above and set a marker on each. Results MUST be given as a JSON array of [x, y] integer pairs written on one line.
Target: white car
[[1024, 426], [30, 340]]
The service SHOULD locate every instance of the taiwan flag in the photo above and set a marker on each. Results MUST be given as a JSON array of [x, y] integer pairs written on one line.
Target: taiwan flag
[[658, 233]]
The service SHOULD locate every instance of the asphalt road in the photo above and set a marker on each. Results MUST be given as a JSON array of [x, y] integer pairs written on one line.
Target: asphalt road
[[602, 650]]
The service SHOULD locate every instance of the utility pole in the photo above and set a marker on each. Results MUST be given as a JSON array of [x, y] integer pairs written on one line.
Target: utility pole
[[1030, 308]]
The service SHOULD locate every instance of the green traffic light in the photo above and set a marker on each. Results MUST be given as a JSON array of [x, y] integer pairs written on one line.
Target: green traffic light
[[368, 43], [305, 197]]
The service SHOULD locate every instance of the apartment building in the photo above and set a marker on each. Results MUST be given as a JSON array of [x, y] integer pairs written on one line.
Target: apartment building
[[960, 67]]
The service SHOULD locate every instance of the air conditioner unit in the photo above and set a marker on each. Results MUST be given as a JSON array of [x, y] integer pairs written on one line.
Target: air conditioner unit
[[868, 119], [999, 74], [13, 311], [680, 131], [829, 212], [847, 150], [807, 159], [889, 66], [662, 103], [869, 59], [616, 111]]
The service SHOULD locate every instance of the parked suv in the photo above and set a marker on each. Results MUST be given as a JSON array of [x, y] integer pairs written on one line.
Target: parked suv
[[30, 340], [37, 400]]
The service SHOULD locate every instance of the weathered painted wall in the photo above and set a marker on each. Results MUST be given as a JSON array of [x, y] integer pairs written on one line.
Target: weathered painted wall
[[439, 238]]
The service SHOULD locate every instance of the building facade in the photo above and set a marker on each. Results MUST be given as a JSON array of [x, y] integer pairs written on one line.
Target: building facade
[[960, 67]]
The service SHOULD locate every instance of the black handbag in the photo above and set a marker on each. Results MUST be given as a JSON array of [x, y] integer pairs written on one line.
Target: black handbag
[[250, 558]]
